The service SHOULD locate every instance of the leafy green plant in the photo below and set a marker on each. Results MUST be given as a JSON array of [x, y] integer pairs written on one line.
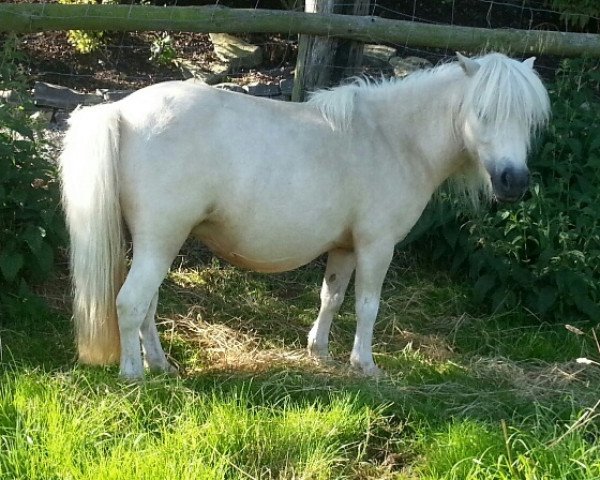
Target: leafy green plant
[[544, 252], [577, 13], [162, 50], [30, 224], [84, 41]]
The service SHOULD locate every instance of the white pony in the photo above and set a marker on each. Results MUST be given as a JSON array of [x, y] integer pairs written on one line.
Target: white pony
[[270, 185]]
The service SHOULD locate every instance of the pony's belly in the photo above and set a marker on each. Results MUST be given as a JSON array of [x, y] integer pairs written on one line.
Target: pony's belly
[[256, 264], [267, 255]]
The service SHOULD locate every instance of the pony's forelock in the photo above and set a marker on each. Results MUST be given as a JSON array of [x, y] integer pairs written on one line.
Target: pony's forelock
[[503, 90], [506, 90]]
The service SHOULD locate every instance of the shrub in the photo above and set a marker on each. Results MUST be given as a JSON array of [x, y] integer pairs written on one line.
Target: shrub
[[31, 228], [84, 41], [544, 252]]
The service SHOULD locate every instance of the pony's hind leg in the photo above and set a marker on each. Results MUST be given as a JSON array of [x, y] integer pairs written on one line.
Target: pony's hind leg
[[135, 299], [154, 355], [340, 265]]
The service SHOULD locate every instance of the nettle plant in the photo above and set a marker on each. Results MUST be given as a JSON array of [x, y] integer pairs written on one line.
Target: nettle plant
[[544, 252], [31, 228]]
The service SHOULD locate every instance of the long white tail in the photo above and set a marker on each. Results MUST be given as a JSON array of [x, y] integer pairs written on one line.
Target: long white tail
[[90, 193]]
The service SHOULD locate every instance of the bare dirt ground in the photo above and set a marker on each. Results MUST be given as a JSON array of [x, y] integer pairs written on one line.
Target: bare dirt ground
[[124, 62]]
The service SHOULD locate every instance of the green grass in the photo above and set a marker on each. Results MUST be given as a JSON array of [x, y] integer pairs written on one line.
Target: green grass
[[465, 396], [66, 426]]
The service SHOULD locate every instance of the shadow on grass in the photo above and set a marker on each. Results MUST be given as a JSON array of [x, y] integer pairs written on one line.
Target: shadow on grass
[[41, 341]]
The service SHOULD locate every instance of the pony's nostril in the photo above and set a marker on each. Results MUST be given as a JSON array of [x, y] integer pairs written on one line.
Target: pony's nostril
[[511, 182]]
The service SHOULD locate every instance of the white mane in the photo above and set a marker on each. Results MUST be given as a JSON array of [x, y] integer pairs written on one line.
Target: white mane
[[502, 89], [337, 105]]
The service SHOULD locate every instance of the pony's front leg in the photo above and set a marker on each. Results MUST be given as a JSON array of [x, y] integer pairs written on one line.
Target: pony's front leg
[[340, 265], [373, 261], [154, 354]]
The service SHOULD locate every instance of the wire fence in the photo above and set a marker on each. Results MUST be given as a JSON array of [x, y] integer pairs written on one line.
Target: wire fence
[[123, 59]]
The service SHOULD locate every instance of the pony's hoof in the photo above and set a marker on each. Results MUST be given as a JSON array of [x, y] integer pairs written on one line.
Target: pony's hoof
[[319, 354], [372, 371], [131, 378], [131, 371], [369, 369], [165, 368], [171, 370]]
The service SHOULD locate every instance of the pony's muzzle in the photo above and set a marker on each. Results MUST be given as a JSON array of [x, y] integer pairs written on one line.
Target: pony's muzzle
[[510, 183]]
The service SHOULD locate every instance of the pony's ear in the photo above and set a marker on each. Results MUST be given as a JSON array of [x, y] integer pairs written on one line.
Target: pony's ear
[[469, 66], [529, 62]]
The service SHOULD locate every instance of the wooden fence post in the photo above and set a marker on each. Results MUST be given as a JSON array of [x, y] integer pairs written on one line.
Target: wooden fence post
[[324, 61]]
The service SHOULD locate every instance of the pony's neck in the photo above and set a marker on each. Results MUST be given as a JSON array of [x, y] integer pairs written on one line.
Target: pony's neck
[[418, 117]]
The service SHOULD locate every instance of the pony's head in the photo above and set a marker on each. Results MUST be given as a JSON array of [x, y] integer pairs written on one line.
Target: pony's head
[[505, 104]]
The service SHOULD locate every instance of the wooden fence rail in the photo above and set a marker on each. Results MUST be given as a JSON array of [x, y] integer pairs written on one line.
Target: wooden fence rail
[[23, 18]]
